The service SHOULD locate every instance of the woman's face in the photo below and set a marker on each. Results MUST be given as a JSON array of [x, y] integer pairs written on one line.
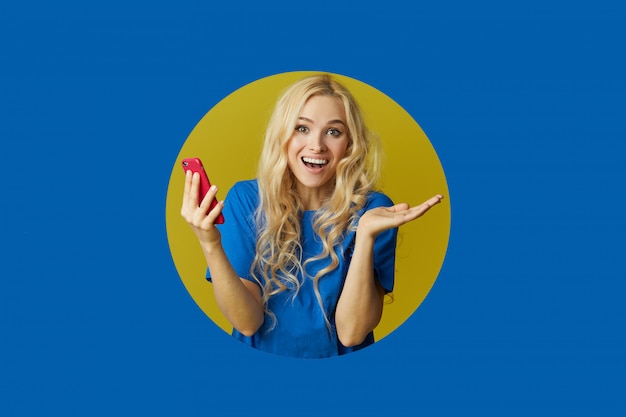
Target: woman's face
[[318, 143]]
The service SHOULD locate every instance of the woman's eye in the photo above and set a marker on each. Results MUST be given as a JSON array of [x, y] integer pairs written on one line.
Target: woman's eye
[[302, 129], [333, 132]]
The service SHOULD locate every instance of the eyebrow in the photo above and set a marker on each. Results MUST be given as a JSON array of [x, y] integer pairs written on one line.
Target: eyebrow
[[306, 119]]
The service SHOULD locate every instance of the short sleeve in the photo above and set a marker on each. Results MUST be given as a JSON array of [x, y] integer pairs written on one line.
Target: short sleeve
[[239, 231]]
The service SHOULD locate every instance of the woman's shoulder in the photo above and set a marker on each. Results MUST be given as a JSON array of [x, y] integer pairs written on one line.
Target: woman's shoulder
[[244, 192], [246, 187], [378, 199]]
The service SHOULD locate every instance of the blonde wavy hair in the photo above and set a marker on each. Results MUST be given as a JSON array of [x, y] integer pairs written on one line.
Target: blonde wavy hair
[[279, 252]]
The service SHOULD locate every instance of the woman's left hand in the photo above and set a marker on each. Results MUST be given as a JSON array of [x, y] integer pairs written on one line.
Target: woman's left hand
[[379, 219]]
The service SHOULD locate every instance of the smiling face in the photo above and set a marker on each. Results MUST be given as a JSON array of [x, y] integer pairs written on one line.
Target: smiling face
[[316, 146]]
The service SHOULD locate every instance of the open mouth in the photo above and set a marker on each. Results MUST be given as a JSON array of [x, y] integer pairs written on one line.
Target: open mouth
[[314, 163]]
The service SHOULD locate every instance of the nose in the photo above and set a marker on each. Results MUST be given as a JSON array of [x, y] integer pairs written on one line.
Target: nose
[[316, 142]]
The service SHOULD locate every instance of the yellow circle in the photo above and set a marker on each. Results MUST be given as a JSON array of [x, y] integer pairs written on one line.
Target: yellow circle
[[228, 139]]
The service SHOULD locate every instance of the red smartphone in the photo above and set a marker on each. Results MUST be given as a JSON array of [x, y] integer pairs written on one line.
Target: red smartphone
[[195, 165]]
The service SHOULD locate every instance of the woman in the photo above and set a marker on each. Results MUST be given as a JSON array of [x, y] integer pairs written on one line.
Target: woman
[[307, 252]]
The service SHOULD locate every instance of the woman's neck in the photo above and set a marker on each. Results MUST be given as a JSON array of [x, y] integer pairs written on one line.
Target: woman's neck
[[313, 198]]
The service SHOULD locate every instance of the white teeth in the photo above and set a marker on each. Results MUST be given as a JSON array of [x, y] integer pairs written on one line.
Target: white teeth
[[315, 161]]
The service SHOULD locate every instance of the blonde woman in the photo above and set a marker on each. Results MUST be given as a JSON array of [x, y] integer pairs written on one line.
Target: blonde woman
[[307, 252]]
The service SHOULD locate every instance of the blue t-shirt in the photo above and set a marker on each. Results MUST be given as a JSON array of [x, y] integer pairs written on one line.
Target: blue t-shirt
[[300, 329]]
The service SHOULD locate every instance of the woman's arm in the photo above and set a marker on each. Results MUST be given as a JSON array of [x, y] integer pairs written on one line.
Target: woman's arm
[[239, 299], [360, 305]]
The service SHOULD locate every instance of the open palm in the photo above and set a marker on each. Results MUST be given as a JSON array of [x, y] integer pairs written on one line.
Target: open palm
[[383, 218]]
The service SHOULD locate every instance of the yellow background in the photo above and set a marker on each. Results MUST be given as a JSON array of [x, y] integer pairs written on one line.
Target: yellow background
[[228, 140]]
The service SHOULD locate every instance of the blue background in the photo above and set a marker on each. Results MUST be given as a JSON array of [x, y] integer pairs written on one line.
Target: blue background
[[524, 104]]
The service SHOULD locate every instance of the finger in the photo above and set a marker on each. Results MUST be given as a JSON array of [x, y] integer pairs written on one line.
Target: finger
[[420, 210], [187, 186], [209, 220], [399, 207], [186, 192], [433, 200], [192, 187], [206, 202]]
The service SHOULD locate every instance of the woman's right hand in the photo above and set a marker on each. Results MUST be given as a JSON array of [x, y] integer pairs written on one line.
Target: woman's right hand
[[201, 220]]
